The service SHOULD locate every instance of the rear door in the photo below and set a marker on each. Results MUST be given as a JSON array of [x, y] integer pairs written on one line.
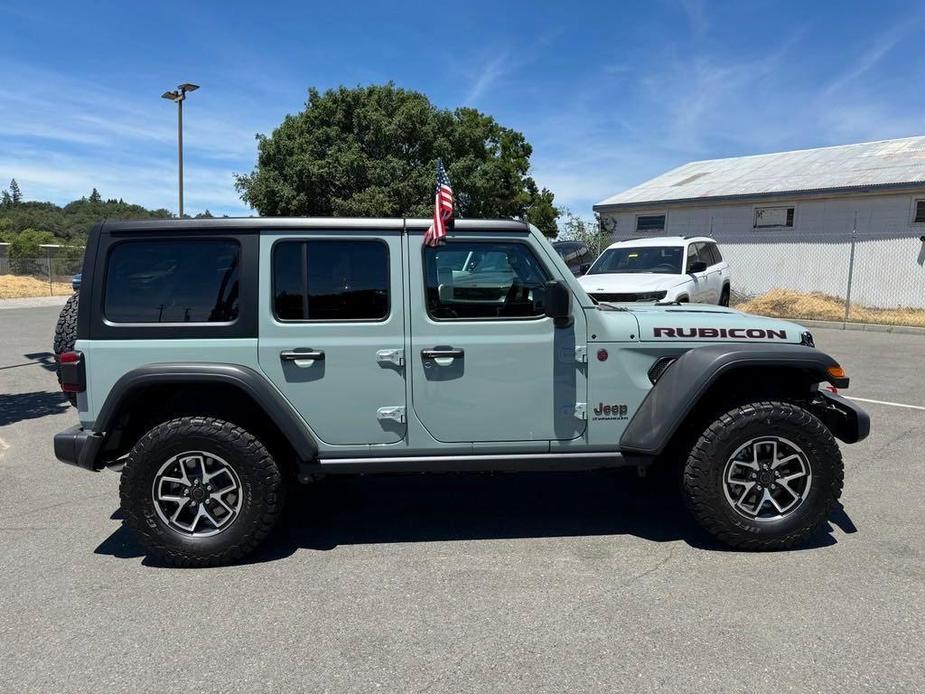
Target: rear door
[[332, 331], [486, 363]]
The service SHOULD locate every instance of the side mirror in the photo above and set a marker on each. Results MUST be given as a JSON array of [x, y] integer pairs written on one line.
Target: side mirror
[[697, 266], [558, 303], [584, 267]]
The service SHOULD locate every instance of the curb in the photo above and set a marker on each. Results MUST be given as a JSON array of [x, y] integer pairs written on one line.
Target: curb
[[34, 302], [866, 327]]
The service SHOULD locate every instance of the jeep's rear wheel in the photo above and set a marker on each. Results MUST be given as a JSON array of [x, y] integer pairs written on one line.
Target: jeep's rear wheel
[[200, 491], [763, 476]]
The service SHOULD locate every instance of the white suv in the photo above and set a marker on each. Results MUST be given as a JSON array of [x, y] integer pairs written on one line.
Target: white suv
[[665, 268]]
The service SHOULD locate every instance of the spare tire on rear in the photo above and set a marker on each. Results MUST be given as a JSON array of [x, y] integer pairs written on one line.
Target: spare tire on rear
[[66, 334]]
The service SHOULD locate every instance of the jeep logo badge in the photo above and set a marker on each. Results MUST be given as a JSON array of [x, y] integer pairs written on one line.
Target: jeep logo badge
[[606, 412]]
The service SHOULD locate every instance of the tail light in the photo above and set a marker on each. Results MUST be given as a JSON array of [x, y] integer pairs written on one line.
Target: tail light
[[72, 373]]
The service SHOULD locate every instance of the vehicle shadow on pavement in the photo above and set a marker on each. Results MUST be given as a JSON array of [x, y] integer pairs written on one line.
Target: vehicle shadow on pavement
[[478, 506], [16, 407]]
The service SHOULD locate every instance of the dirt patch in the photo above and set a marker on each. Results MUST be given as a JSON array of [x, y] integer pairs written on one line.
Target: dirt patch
[[21, 287], [786, 303]]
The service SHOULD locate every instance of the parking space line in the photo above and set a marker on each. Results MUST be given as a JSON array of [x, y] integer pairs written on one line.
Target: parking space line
[[891, 404]]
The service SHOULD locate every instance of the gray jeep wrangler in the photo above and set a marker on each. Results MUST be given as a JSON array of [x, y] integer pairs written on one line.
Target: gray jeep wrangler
[[218, 360]]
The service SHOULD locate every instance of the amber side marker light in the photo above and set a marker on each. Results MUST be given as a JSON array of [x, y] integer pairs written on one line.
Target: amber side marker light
[[837, 376]]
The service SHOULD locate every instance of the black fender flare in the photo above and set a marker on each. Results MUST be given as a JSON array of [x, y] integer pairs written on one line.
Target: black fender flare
[[245, 379], [687, 380]]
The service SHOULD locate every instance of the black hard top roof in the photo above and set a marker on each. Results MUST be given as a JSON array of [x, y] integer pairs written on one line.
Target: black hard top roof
[[225, 224]]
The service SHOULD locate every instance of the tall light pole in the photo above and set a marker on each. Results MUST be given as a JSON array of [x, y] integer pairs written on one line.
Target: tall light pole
[[179, 95]]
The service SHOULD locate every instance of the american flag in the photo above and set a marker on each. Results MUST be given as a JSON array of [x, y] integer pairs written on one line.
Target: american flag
[[443, 208]]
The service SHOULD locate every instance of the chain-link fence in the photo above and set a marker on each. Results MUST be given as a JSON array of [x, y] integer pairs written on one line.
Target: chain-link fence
[[864, 278], [46, 275]]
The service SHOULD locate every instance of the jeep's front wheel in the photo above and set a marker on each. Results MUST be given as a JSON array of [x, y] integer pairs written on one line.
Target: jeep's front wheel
[[200, 491], [763, 476]]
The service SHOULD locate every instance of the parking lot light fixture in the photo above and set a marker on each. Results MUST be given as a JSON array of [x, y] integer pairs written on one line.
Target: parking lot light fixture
[[179, 95]]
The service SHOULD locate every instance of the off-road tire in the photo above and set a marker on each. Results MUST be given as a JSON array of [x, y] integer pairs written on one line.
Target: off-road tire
[[66, 335], [261, 484], [703, 475], [724, 296]]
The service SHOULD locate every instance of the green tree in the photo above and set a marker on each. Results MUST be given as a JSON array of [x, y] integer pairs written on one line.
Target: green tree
[[372, 152], [15, 192], [596, 234], [26, 253], [95, 197], [6, 200]]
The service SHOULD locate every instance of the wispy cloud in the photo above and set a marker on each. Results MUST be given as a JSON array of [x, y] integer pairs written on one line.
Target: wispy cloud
[[485, 77], [872, 54]]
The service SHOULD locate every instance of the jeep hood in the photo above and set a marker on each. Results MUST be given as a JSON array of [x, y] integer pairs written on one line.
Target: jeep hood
[[707, 323], [629, 282], [688, 323]]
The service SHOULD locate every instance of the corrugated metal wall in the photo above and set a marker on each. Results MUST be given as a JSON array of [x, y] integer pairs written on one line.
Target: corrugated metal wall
[[889, 266]]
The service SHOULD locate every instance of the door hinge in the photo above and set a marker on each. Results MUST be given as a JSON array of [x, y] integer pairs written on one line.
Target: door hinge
[[581, 410], [581, 354], [391, 356], [396, 413]]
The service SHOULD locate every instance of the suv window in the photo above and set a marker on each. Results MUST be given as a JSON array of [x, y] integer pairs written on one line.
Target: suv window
[[665, 260], [173, 281], [714, 252], [466, 280], [692, 255], [331, 280]]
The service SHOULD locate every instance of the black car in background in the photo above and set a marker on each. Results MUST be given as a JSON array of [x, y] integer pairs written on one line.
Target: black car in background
[[576, 255]]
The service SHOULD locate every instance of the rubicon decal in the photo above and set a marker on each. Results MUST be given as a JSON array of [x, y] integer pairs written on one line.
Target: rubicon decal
[[722, 333]]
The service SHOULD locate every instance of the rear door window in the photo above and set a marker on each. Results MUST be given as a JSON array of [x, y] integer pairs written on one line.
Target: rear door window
[[329, 280], [173, 281]]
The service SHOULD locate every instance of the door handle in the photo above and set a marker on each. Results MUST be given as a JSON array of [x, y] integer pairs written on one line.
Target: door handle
[[449, 353], [308, 355]]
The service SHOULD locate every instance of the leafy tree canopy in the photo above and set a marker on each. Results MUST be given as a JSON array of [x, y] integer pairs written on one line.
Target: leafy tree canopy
[[69, 224], [372, 152]]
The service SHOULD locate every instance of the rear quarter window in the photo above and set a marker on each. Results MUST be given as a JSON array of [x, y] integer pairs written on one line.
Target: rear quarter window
[[173, 281]]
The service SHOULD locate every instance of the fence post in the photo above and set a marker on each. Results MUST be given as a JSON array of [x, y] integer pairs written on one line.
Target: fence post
[[51, 286], [854, 233]]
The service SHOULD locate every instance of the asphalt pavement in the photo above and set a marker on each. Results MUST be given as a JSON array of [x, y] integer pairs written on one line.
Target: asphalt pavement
[[443, 583]]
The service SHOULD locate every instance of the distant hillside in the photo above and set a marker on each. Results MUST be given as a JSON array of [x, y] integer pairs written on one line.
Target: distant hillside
[[70, 223]]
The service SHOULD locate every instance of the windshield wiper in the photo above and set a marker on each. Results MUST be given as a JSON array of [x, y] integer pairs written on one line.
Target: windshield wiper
[[612, 307]]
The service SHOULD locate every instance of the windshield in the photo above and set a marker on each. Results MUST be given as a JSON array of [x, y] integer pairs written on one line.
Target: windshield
[[663, 260]]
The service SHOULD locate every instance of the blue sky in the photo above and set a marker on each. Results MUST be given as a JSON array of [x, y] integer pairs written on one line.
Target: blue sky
[[608, 93]]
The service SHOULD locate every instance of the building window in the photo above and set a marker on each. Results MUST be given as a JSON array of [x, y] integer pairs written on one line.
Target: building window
[[773, 217], [173, 281], [650, 222], [329, 280], [919, 212]]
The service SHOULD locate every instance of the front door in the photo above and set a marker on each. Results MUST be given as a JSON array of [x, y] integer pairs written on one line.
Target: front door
[[332, 331], [486, 363], [700, 288]]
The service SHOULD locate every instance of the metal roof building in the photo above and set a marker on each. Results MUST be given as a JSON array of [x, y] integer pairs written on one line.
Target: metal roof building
[[844, 169], [814, 220]]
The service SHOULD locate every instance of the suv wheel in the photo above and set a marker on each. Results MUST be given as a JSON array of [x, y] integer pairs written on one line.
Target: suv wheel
[[200, 491], [724, 297], [66, 334], [764, 476]]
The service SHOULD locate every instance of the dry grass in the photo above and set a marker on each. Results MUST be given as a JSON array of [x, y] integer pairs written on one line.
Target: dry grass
[[20, 287], [786, 303]]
